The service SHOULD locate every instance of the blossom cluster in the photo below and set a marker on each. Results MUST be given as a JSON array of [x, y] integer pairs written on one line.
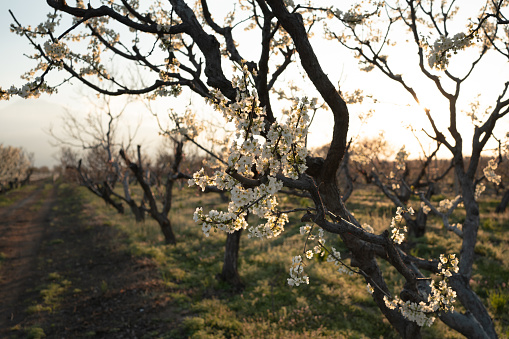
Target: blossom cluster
[[56, 50], [416, 312], [489, 172], [440, 298], [225, 221], [333, 256], [259, 200], [186, 124], [446, 204], [351, 17], [396, 229], [297, 276], [440, 52], [29, 90], [425, 208], [447, 264], [48, 26], [479, 189], [401, 158], [282, 150], [165, 91], [87, 63], [320, 240], [267, 150]]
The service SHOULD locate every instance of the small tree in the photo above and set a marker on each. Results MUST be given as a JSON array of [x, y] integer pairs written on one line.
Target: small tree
[[15, 167], [99, 171]]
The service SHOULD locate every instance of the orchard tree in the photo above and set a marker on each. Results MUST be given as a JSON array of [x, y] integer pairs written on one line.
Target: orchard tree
[[100, 169], [182, 46], [431, 32], [15, 167], [398, 184]]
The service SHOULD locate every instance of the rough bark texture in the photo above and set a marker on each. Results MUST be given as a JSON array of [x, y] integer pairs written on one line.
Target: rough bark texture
[[106, 196], [138, 211], [460, 283], [325, 180], [503, 203], [160, 217], [230, 272]]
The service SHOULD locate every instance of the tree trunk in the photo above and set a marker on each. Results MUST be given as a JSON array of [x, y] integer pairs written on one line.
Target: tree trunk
[[26, 180], [419, 227], [480, 324], [165, 225], [503, 204], [139, 214], [460, 284], [363, 257], [161, 217], [230, 273], [117, 205]]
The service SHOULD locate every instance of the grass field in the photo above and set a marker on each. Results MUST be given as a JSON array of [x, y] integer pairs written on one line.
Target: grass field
[[97, 270], [332, 305]]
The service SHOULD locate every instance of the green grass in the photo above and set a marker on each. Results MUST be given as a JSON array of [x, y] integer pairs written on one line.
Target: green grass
[[35, 333], [50, 294], [10, 197], [331, 306]]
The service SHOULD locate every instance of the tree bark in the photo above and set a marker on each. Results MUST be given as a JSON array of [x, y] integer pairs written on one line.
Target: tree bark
[[139, 213], [165, 225], [460, 283], [230, 273], [418, 227], [161, 217], [117, 205], [475, 310], [503, 203]]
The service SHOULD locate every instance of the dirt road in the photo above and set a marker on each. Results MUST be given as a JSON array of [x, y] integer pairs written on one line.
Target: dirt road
[[22, 228], [67, 273]]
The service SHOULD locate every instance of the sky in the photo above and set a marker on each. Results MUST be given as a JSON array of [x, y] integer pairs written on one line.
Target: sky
[[25, 123]]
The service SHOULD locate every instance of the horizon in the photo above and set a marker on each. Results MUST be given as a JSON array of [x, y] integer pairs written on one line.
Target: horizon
[[393, 110]]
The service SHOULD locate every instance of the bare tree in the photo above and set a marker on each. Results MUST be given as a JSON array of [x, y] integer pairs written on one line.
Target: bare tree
[[99, 171]]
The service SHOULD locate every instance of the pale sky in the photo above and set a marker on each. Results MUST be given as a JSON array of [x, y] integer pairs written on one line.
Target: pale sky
[[22, 122]]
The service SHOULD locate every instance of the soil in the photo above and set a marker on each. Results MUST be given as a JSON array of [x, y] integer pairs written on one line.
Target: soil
[[66, 274]]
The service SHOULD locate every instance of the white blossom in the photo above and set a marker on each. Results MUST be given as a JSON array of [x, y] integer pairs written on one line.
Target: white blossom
[[397, 231], [489, 172], [425, 208], [440, 51]]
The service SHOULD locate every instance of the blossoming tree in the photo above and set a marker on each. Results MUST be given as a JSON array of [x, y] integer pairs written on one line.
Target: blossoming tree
[[185, 47], [430, 25], [15, 167]]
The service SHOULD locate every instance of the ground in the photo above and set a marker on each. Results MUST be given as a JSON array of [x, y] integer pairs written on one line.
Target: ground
[[67, 282], [71, 267]]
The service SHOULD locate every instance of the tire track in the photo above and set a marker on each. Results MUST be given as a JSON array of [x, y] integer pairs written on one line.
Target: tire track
[[22, 228]]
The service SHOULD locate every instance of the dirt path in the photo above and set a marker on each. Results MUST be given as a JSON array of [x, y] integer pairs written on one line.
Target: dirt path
[[22, 227], [69, 274]]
